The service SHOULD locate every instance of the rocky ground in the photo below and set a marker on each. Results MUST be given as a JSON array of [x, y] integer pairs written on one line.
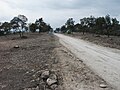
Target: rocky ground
[[24, 62], [39, 62], [112, 41]]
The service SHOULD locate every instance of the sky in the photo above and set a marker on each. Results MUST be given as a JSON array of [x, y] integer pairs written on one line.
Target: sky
[[56, 12]]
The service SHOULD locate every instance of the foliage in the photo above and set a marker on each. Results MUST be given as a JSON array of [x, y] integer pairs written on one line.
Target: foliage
[[63, 29], [100, 25], [32, 27], [95, 25], [42, 26], [5, 28], [57, 30], [70, 25], [19, 24]]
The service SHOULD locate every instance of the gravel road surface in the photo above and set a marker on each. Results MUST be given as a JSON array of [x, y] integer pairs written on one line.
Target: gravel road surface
[[103, 61]]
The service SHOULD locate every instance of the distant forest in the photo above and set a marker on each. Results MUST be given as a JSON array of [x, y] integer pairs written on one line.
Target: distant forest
[[19, 25], [105, 25], [95, 25]]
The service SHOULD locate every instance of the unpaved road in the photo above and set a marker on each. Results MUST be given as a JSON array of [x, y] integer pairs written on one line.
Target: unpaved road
[[103, 61]]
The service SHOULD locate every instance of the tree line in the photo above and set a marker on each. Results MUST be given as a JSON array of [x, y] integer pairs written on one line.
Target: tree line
[[40, 25], [19, 25], [104, 25], [95, 25]]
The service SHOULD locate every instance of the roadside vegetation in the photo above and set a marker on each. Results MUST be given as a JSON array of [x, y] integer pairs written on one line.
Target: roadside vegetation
[[19, 25], [95, 25], [104, 25]]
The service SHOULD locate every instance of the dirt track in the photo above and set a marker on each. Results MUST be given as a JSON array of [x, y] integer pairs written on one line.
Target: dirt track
[[103, 61]]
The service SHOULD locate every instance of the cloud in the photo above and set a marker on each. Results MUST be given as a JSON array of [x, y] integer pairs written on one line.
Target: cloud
[[57, 12]]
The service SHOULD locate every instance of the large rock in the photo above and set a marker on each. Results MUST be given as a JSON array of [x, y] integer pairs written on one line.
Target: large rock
[[53, 76], [45, 74], [16, 46], [51, 81], [103, 86]]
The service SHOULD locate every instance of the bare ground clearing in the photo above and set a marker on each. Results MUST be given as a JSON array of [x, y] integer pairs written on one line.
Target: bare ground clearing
[[39, 52]]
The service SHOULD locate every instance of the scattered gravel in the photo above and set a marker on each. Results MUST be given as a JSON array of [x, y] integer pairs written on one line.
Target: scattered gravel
[[25, 62]]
